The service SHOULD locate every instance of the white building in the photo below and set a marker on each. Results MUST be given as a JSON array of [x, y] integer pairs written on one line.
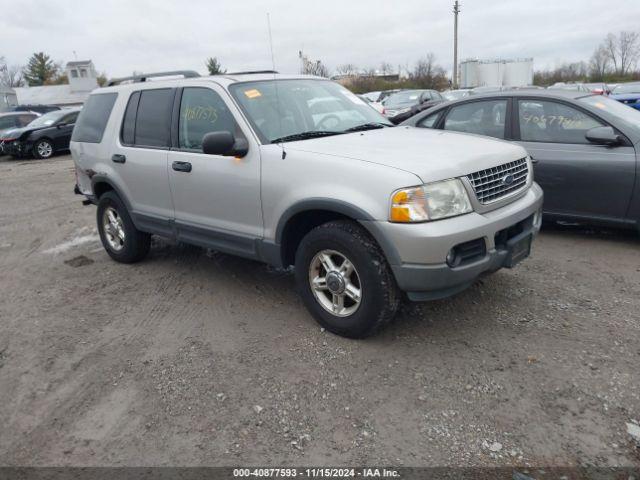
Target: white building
[[496, 73], [7, 98], [83, 78]]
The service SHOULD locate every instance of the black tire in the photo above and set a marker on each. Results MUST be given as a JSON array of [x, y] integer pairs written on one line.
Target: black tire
[[380, 296], [41, 146], [136, 244]]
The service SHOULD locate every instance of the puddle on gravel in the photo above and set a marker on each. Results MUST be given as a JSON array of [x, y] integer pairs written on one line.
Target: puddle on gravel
[[79, 261]]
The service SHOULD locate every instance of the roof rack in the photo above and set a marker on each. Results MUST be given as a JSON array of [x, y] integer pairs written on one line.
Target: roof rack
[[252, 72], [142, 77]]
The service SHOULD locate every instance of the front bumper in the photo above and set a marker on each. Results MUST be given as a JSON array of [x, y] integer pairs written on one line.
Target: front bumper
[[422, 270], [15, 148]]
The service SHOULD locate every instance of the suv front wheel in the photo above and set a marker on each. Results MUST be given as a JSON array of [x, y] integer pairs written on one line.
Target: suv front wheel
[[345, 280], [120, 238]]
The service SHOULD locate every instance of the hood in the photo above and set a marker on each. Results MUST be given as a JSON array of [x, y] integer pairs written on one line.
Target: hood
[[430, 154], [15, 132]]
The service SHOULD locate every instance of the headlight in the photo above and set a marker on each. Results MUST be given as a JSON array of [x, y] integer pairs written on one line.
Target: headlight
[[432, 201]]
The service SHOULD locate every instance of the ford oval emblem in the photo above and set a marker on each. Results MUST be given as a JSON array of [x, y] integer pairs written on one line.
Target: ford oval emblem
[[508, 180]]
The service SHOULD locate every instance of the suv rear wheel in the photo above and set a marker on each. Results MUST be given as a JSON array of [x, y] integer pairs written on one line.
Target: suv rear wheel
[[345, 280], [120, 238]]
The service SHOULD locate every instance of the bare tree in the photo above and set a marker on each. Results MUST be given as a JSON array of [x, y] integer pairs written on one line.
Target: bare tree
[[427, 74], [599, 63], [386, 68], [348, 69], [623, 50], [313, 67], [10, 75]]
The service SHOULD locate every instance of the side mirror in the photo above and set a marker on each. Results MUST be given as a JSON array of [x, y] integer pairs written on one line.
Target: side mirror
[[603, 136], [224, 143], [60, 125]]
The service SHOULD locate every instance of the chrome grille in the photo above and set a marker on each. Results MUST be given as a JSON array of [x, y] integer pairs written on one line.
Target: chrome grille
[[497, 182]]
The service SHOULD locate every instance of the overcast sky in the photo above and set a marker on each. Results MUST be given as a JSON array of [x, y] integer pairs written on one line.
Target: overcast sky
[[121, 36]]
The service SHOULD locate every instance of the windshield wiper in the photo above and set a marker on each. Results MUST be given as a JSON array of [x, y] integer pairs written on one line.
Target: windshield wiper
[[305, 136], [368, 126]]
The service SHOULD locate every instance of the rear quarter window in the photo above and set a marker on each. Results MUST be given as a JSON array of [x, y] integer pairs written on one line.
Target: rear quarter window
[[93, 118]]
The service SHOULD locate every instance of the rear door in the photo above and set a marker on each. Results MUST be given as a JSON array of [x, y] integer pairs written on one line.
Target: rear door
[[481, 117], [579, 178], [139, 157], [217, 198]]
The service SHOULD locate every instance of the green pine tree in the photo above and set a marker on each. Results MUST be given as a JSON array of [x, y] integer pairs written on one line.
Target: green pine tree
[[214, 66], [40, 70]]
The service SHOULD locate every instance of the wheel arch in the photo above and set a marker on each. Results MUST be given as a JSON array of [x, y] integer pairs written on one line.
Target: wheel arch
[[302, 217], [101, 184]]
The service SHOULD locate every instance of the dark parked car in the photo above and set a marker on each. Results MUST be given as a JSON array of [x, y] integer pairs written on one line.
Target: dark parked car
[[628, 93], [43, 136], [12, 120], [585, 147], [406, 103], [35, 108]]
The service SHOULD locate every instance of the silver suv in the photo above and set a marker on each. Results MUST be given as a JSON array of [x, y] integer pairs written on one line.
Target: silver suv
[[297, 170]]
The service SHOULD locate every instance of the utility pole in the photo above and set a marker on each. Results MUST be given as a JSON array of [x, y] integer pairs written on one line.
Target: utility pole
[[456, 11]]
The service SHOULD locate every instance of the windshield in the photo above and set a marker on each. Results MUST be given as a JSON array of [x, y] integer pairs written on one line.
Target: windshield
[[628, 88], [48, 119], [403, 99], [302, 106], [613, 107]]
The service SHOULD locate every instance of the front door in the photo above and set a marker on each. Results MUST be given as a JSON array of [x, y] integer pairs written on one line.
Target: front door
[[216, 198], [579, 178], [64, 128]]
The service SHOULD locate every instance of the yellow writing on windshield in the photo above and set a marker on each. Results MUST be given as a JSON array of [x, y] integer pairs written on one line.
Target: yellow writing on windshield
[[201, 113]]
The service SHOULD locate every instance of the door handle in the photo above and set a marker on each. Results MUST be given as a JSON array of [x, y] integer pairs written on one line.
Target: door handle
[[117, 158], [181, 166]]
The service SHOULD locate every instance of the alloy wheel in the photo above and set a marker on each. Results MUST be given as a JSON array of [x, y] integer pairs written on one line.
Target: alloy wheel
[[335, 283]]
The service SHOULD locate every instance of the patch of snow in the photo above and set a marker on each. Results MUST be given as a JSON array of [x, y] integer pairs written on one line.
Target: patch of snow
[[74, 242]]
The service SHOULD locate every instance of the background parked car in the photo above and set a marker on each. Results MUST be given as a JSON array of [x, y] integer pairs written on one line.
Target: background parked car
[[406, 103], [12, 120], [598, 88], [579, 87], [628, 93], [583, 147], [455, 94], [43, 136], [376, 105], [35, 108]]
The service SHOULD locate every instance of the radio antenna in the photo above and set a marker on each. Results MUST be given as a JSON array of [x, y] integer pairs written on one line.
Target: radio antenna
[[275, 86]]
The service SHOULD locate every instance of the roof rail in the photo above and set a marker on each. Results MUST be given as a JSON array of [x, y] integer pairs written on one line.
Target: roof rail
[[142, 77], [252, 72]]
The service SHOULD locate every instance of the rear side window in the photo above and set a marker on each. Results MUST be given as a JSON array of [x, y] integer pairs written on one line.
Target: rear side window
[[93, 118], [129, 121], [482, 118], [153, 121]]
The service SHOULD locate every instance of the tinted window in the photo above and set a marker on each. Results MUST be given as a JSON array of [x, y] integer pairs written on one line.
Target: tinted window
[[24, 120], [202, 111], [7, 122], [93, 118], [481, 118], [70, 118], [430, 121], [548, 121], [153, 121], [129, 121]]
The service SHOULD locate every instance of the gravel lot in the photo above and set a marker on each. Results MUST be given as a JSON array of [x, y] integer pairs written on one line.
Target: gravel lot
[[198, 358]]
